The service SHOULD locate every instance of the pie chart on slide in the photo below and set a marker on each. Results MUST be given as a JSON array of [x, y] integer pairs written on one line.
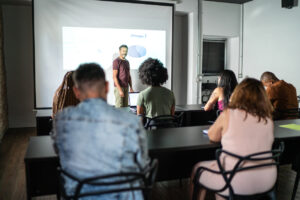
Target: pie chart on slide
[[136, 51]]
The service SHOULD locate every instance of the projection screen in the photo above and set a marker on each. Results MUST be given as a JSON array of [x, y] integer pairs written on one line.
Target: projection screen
[[70, 32]]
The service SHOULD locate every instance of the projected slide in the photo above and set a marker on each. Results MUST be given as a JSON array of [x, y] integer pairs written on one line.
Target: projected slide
[[101, 45]]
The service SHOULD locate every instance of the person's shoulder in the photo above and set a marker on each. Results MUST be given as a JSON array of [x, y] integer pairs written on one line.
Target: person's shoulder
[[287, 84], [218, 90], [116, 60], [65, 113], [167, 91], [98, 108], [124, 117], [279, 87], [238, 113], [145, 91], [226, 112]]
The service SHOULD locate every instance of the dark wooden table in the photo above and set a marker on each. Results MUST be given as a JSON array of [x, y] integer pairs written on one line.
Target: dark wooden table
[[177, 150], [41, 163], [285, 133], [291, 140], [43, 122]]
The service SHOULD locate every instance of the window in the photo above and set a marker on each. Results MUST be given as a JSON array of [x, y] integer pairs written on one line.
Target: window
[[213, 57]]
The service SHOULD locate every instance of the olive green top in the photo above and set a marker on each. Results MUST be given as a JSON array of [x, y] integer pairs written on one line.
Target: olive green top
[[156, 101]]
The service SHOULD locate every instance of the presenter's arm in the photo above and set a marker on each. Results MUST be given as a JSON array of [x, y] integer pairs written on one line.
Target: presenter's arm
[[212, 100], [130, 84], [115, 77]]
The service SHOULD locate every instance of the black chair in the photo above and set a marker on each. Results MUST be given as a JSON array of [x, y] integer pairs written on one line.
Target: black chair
[[280, 114], [229, 174], [164, 121], [296, 167], [218, 113], [127, 182]]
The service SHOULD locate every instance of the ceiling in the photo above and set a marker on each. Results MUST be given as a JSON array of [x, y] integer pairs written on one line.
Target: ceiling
[[26, 2], [231, 1], [15, 2]]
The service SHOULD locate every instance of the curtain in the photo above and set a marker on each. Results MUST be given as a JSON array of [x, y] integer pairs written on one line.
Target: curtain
[[3, 93]]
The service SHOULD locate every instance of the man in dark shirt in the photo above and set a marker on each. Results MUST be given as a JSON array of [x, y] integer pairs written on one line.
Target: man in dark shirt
[[282, 95], [122, 78]]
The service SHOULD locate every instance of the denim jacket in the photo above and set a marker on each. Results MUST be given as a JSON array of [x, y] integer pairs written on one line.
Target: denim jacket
[[95, 139]]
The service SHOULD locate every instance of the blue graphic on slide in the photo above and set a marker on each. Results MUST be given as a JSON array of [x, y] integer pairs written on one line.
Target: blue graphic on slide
[[137, 51]]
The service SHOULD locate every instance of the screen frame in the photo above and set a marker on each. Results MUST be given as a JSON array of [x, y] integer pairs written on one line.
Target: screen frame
[[120, 1]]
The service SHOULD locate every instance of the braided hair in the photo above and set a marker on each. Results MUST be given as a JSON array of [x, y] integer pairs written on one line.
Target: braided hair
[[64, 95]]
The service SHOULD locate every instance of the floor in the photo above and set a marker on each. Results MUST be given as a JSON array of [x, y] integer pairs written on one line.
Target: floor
[[13, 186]]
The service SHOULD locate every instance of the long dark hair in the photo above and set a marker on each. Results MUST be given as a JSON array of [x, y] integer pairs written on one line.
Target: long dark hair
[[228, 82]]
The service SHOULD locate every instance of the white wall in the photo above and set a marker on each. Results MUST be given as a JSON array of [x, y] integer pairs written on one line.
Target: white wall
[[180, 62], [271, 40], [222, 21], [232, 54], [190, 7], [18, 55]]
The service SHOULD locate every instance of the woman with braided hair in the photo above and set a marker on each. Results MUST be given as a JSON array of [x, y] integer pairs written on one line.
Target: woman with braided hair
[[64, 95]]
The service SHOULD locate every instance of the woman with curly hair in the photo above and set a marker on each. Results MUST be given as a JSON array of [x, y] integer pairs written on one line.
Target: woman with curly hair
[[156, 100], [226, 84], [64, 95]]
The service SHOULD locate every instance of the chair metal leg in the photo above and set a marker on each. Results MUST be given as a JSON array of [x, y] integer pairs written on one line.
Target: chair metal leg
[[195, 192], [272, 195], [295, 186], [180, 182]]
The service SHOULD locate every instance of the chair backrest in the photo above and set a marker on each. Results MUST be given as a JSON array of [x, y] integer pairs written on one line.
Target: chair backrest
[[292, 113], [164, 121], [238, 167], [127, 181]]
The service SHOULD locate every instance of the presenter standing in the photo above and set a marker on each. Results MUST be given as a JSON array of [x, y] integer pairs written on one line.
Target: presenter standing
[[122, 78]]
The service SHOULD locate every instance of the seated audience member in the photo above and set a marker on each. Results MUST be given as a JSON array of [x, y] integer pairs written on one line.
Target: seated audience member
[[244, 127], [156, 100], [283, 96], [226, 84], [93, 138], [64, 95]]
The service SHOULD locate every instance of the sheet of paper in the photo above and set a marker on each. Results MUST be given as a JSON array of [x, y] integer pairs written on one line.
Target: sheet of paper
[[291, 126]]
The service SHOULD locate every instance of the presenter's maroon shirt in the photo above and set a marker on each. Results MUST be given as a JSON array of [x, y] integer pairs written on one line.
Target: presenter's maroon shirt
[[123, 71]]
